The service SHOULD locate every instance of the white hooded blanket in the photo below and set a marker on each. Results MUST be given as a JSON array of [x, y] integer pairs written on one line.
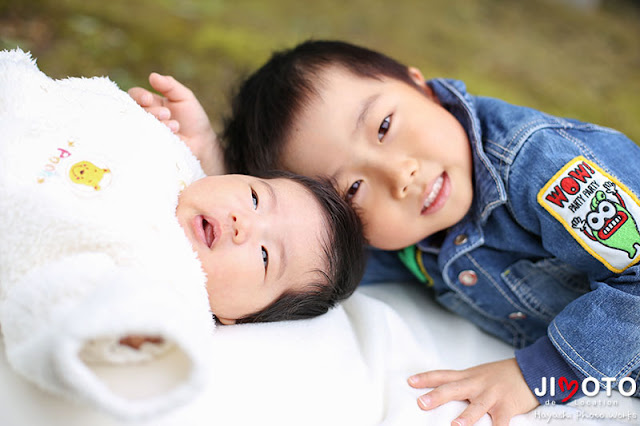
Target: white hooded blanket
[[90, 249]]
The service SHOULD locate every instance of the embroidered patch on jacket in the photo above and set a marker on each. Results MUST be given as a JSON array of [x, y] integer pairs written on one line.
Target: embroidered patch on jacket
[[599, 212]]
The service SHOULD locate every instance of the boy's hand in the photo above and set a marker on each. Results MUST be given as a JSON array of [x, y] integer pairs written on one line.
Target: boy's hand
[[497, 388], [179, 110]]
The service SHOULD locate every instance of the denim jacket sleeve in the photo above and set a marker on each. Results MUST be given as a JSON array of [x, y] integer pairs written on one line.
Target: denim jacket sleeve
[[385, 266], [575, 186]]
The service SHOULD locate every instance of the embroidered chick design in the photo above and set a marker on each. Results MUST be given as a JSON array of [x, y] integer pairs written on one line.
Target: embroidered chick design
[[87, 173]]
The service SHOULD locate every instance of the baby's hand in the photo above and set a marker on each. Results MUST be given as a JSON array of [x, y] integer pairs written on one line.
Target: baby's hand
[[497, 388], [135, 342], [178, 108]]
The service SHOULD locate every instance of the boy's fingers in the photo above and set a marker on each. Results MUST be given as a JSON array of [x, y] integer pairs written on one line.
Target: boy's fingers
[[431, 379], [170, 87], [454, 391], [173, 125], [476, 409], [159, 112], [143, 97], [502, 419]]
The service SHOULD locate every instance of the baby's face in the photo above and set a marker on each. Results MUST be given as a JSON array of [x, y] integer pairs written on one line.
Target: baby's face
[[394, 151], [255, 238]]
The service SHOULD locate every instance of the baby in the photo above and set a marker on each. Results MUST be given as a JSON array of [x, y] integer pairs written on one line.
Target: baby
[[110, 254], [278, 248]]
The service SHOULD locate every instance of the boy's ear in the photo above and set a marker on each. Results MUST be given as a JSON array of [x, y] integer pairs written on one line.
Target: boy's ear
[[416, 75]]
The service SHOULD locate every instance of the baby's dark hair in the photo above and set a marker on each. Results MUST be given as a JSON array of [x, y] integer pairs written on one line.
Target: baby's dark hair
[[267, 103], [344, 254]]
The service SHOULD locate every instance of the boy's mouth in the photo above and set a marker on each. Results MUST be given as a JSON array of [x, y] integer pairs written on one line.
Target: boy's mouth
[[207, 230], [436, 196]]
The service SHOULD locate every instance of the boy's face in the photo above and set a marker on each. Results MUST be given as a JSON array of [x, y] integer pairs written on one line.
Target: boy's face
[[393, 150], [255, 238]]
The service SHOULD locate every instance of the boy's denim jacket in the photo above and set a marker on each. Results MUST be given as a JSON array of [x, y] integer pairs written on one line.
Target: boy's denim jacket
[[547, 257]]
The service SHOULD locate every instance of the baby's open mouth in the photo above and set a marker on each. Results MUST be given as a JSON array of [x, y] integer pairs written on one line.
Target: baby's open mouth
[[206, 231], [209, 232]]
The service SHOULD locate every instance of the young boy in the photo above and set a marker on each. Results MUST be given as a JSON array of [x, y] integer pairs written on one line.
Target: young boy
[[524, 223]]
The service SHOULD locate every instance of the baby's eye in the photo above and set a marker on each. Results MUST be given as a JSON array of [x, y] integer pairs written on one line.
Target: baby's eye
[[265, 258], [384, 127], [254, 198], [351, 192]]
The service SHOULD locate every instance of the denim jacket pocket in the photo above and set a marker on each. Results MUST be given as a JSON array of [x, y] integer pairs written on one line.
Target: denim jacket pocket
[[499, 328], [545, 286]]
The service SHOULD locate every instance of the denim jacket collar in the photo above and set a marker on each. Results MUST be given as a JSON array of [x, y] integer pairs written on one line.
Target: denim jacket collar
[[489, 189]]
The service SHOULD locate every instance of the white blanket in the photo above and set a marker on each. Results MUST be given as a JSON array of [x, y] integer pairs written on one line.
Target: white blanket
[[90, 247], [348, 367]]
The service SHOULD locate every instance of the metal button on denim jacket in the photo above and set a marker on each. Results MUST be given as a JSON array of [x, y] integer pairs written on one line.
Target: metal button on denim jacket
[[551, 238]]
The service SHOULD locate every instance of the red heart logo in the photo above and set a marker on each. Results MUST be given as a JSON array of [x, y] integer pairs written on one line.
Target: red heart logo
[[566, 385]]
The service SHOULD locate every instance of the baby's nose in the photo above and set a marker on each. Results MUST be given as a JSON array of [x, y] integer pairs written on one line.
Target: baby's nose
[[240, 228]]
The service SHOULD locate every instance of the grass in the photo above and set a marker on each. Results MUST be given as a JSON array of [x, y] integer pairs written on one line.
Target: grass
[[540, 53]]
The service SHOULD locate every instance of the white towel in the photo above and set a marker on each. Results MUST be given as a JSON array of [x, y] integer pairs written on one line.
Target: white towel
[[90, 249]]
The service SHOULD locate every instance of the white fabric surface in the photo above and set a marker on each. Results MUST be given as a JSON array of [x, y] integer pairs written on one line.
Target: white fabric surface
[[348, 367], [91, 254]]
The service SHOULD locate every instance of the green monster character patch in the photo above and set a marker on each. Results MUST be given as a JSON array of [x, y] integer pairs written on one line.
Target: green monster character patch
[[598, 211], [610, 223]]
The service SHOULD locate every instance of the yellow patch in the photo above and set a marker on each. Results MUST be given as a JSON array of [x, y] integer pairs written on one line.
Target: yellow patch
[[598, 211], [87, 173]]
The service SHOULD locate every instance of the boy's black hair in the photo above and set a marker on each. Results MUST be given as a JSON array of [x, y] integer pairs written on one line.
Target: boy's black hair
[[267, 103], [344, 254]]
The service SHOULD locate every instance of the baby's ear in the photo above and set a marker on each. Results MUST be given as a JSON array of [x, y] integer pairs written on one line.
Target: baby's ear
[[418, 79], [225, 321]]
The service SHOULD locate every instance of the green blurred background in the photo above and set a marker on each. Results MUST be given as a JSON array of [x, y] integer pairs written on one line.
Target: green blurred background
[[577, 58]]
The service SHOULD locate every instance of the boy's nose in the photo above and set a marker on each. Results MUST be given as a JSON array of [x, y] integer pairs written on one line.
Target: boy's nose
[[400, 175]]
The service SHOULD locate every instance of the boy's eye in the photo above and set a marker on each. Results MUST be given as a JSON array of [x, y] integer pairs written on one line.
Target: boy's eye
[[384, 127], [254, 198], [351, 192], [265, 257]]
